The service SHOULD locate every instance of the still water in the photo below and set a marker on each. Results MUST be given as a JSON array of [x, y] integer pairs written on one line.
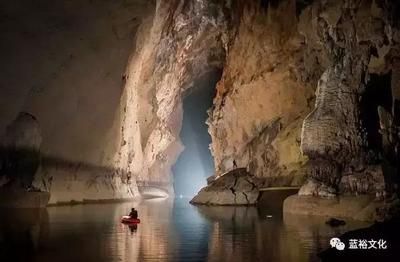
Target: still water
[[171, 230]]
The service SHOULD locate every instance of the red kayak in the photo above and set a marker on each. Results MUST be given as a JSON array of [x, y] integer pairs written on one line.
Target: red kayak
[[129, 220]]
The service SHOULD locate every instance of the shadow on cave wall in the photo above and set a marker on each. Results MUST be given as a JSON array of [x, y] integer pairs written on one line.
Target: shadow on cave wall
[[22, 164], [377, 93], [195, 163]]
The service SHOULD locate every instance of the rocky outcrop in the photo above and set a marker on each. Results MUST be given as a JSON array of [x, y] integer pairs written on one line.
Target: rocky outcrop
[[20, 152], [233, 188], [334, 135], [351, 128], [20, 160], [370, 181]]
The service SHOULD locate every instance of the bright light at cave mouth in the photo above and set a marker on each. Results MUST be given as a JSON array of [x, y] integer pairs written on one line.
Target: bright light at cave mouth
[[195, 163]]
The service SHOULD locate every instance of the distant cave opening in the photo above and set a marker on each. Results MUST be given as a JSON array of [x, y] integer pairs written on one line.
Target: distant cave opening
[[195, 163], [378, 93]]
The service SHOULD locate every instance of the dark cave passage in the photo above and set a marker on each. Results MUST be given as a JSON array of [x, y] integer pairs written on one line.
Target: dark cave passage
[[378, 93], [195, 163]]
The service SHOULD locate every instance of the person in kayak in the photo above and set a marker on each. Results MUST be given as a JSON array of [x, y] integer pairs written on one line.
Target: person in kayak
[[133, 214]]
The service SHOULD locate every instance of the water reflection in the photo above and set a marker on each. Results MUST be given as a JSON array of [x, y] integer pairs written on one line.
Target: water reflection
[[22, 232], [169, 231]]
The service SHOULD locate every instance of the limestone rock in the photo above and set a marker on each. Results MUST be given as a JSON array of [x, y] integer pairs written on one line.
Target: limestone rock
[[20, 156], [233, 188], [261, 98], [315, 188], [334, 132], [370, 181], [179, 45], [64, 63], [23, 133], [263, 119]]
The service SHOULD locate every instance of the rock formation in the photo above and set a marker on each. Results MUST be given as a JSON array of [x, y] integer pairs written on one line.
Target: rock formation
[[358, 40], [63, 62], [179, 45], [333, 135], [233, 188], [20, 159], [309, 91], [20, 152], [261, 98]]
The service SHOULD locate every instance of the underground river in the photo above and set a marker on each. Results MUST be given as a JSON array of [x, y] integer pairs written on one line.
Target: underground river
[[170, 230]]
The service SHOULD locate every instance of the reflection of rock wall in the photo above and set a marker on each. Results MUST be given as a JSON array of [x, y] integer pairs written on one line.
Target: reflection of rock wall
[[312, 232], [22, 229], [240, 234], [155, 244]]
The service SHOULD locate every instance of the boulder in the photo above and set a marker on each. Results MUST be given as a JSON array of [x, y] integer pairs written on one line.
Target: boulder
[[236, 187]]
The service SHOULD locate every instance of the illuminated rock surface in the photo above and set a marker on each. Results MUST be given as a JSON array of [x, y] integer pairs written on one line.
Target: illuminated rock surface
[[176, 47], [236, 187], [63, 62], [298, 97]]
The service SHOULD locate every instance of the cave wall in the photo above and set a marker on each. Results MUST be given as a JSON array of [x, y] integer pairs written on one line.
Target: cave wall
[[182, 42], [357, 39], [262, 97], [63, 62], [264, 118], [293, 74]]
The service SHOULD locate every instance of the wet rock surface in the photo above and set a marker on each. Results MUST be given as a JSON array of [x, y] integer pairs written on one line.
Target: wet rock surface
[[236, 187]]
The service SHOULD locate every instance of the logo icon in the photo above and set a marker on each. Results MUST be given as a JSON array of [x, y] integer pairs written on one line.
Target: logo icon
[[336, 243]]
